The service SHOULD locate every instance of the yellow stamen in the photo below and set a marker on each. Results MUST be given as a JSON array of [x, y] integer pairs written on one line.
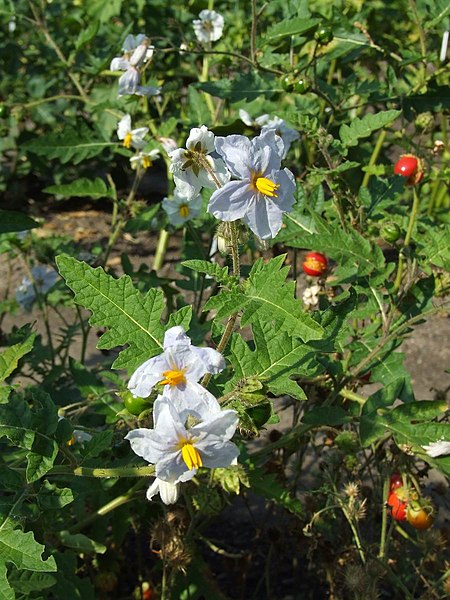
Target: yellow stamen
[[266, 187], [71, 442], [191, 455], [174, 377], [127, 140], [184, 211], [146, 162]]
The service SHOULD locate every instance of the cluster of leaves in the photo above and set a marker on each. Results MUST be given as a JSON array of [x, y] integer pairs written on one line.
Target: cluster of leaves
[[335, 72]]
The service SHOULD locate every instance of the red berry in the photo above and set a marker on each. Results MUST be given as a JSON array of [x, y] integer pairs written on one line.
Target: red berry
[[396, 482], [398, 507], [409, 166], [315, 264]]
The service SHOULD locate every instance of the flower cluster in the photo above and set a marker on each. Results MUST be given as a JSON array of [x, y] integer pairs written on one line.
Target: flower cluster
[[311, 297], [190, 428], [137, 51], [134, 138], [260, 192]]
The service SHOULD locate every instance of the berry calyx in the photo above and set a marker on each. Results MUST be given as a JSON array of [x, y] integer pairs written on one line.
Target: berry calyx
[[409, 166], [315, 264]]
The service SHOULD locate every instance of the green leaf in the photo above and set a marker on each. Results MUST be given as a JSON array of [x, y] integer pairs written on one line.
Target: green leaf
[[74, 145], [86, 34], [361, 128], [81, 543], [249, 86], [131, 317], [268, 296], [436, 247], [23, 551], [276, 358], [288, 27], [326, 415], [197, 106], [92, 188], [10, 357], [52, 497], [26, 582], [11, 221], [219, 273], [100, 442]]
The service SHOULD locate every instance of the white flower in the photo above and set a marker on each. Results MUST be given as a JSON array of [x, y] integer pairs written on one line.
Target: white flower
[[311, 296], [263, 191], [169, 144], [181, 208], [44, 277], [178, 449], [209, 27], [144, 159], [169, 492], [178, 368], [131, 137], [439, 448], [265, 122], [195, 164]]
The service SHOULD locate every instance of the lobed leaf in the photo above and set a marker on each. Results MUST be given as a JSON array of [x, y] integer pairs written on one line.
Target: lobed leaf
[[11, 221], [267, 296], [361, 128], [92, 188], [131, 317]]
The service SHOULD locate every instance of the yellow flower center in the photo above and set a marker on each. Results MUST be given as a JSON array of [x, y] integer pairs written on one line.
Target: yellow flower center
[[191, 455], [71, 442], [146, 162], [174, 377], [266, 187], [184, 211], [127, 140]]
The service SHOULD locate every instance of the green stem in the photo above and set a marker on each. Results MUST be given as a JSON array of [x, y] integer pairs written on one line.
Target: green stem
[[84, 335], [374, 157], [253, 33], [103, 473], [161, 248], [384, 520], [423, 47], [349, 395], [110, 506], [409, 232]]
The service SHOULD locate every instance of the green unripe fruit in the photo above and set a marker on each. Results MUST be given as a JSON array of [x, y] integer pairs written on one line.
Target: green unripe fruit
[[323, 35], [4, 111], [295, 82], [390, 232], [134, 406]]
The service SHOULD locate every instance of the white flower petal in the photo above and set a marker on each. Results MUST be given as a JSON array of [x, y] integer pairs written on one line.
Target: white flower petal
[[119, 64], [148, 375], [439, 448], [232, 201], [201, 136], [235, 150]]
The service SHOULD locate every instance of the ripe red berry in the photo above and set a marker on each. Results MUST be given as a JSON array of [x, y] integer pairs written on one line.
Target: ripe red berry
[[409, 166], [315, 264], [398, 507], [396, 482]]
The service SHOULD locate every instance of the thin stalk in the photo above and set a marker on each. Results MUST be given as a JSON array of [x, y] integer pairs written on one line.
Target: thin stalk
[[84, 335], [381, 553], [205, 77], [409, 232], [108, 507], [161, 249], [102, 473], [253, 33], [422, 42], [374, 157]]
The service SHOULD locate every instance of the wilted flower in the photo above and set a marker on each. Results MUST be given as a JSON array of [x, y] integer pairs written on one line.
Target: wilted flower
[[168, 492], [439, 448], [44, 277], [209, 27], [178, 449], [144, 159], [131, 137], [195, 165], [311, 296], [263, 191], [182, 208], [137, 52], [178, 368]]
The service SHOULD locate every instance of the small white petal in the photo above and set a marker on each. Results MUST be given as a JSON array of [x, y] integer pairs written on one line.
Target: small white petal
[[169, 492], [439, 448]]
